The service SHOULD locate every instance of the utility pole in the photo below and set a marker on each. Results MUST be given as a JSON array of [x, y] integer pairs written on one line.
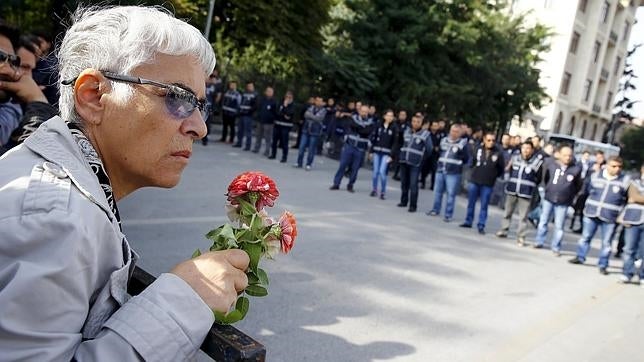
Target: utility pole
[[211, 8]]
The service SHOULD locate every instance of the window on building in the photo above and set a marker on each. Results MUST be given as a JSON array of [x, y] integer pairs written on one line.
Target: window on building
[[627, 28], [565, 83], [583, 128], [592, 135], [582, 5], [557, 127], [574, 43], [618, 63], [596, 50], [604, 13], [572, 125], [587, 86], [609, 100]]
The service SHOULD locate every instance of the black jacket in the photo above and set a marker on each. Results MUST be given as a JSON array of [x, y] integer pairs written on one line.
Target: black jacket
[[486, 166], [561, 185], [267, 110], [385, 140]]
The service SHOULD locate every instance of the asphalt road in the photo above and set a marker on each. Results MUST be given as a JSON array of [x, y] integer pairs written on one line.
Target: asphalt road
[[368, 281]]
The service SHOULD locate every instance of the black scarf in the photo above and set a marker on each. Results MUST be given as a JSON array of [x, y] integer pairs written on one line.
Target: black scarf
[[95, 163]]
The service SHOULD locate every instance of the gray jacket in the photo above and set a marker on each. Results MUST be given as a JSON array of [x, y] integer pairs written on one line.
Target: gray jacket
[[64, 267]]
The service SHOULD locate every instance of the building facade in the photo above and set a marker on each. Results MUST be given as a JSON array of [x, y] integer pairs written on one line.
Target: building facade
[[582, 70]]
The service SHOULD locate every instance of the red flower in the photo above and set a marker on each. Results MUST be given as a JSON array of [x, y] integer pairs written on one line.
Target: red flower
[[256, 182], [289, 231]]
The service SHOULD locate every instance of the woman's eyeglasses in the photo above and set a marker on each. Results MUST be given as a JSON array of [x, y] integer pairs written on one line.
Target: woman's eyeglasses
[[12, 60], [179, 102]]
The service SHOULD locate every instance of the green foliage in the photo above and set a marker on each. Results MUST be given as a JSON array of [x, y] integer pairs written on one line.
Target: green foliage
[[632, 150]]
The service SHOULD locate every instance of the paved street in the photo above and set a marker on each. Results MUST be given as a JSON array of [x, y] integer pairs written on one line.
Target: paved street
[[368, 281]]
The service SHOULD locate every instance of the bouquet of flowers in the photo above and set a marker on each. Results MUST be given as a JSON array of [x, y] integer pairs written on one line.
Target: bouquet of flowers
[[254, 232]]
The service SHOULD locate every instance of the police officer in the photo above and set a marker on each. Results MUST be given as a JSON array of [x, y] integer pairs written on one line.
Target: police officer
[[267, 112], [213, 95], [563, 180], [355, 146], [632, 219], [384, 144], [607, 195], [283, 126], [525, 174], [311, 132], [229, 111], [487, 165], [402, 126], [417, 145], [247, 109], [453, 155]]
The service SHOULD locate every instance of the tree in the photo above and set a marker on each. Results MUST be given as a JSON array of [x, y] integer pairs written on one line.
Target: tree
[[449, 58], [624, 104], [632, 151]]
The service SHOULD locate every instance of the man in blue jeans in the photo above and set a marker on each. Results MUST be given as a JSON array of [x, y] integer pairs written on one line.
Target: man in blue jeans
[[487, 165], [607, 193], [633, 221], [562, 181], [453, 155], [247, 109], [311, 131]]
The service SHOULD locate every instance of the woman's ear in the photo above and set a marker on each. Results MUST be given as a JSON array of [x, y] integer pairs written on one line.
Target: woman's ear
[[88, 89]]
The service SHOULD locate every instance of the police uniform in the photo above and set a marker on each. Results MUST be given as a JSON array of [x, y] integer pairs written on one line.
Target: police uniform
[[522, 183], [632, 218], [283, 126], [487, 166], [355, 146], [453, 155], [311, 132], [384, 143], [247, 109], [606, 199], [229, 111], [416, 147], [562, 183]]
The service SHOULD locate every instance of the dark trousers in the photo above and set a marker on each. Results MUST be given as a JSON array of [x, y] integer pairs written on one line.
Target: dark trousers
[[209, 121], [351, 156], [280, 137], [229, 123], [409, 184], [425, 170], [244, 130]]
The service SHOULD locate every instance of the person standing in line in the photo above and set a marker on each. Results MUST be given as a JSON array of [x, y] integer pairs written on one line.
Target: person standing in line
[[267, 114], [213, 96], [632, 219], [357, 143], [487, 166], [607, 196], [402, 126], [453, 155], [229, 111], [525, 174], [247, 110], [562, 179], [384, 144], [300, 122], [585, 164], [437, 136], [417, 145], [283, 126], [311, 131]]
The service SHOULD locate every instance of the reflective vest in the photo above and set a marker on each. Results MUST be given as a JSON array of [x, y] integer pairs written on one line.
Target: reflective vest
[[415, 146], [247, 106], [357, 127], [523, 176], [606, 198], [453, 154], [230, 103], [633, 213], [383, 139]]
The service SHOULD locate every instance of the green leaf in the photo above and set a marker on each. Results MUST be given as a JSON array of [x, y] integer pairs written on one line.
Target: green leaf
[[254, 253], [247, 208], [212, 234], [263, 277], [256, 291], [196, 254], [230, 318], [242, 306], [252, 278], [227, 232]]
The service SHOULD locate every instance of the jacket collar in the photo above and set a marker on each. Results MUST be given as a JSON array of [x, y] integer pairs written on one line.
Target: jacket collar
[[53, 142]]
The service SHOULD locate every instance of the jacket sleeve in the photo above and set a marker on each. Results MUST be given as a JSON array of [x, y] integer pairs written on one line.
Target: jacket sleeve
[[35, 114], [429, 146], [48, 272], [395, 146], [634, 194], [10, 115], [500, 164]]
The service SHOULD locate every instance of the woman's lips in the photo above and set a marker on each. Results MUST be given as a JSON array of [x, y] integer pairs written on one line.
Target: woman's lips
[[185, 154]]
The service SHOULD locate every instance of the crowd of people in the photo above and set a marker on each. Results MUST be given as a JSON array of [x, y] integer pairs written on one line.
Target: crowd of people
[[539, 182]]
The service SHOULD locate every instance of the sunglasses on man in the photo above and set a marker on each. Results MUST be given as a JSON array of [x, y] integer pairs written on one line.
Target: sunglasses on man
[[179, 102], [12, 60]]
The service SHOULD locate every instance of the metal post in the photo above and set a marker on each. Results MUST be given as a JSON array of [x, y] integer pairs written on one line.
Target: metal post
[[211, 8]]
